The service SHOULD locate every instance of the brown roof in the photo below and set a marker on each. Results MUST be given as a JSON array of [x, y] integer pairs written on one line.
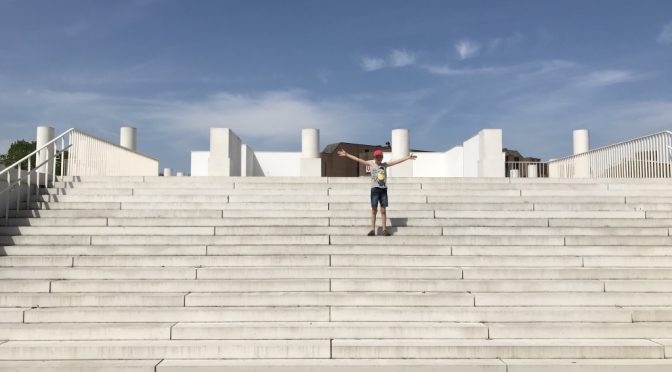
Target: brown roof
[[331, 148]]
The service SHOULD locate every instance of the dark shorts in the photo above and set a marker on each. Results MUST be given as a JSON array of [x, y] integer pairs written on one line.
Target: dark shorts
[[378, 195]]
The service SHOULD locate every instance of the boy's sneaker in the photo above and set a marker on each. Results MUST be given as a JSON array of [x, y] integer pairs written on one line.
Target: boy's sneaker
[[371, 233], [385, 233]]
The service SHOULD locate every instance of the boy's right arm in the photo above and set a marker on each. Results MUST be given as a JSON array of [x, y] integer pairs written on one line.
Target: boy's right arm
[[352, 157]]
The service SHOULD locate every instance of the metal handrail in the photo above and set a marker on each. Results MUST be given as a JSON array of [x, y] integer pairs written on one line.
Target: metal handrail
[[613, 145], [115, 145], [648, 156], [18, 163], [36, 170], [87, 156]]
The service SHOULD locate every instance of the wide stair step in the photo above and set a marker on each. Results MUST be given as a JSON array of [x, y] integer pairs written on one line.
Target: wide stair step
[[277, 274]]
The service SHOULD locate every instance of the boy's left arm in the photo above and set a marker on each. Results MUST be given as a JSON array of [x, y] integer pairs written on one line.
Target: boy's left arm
[[401, 160]]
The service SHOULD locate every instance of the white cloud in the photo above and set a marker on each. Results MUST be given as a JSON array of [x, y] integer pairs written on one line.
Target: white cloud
[[504, 41], [400, 58], [396, 58], [273, 118], [372, 63], [169, 128], [466, 49], [665, 35], [449, 71], [522, 70], [607, 77]]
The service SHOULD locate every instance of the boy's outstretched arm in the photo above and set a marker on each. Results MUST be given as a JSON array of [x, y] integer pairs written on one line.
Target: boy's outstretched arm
[[351, 157], [401, 160]]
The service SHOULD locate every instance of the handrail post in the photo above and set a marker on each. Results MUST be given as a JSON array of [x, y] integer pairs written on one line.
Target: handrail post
[[30, 175], [9, 182], [18, 191]]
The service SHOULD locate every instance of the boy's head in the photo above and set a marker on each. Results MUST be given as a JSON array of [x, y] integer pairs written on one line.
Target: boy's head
[[378, 155]]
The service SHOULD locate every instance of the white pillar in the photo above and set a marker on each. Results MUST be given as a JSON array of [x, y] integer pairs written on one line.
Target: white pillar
[[491, 159], [581, 141], [581, 144], [311, 163], [44, 135], [128, 138], [310, 143], [225, 151], [167, 172], [401, 144]]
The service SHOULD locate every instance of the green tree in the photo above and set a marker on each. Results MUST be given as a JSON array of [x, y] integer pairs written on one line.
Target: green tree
[[17, 151]]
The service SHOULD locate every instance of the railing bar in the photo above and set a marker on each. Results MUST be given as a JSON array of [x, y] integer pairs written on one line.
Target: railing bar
[[18, 191], [30, 187], [9, 181], [644, 160], [655, 158], [62, 155]]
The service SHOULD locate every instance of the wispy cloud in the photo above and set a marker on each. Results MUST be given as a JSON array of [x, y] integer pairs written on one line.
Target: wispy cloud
[[269, 118], [323, 76], [396, 58], [607, 77], [449, 71], [169, 128], [499, 42], [372, 63], [665, 35], [466, 49], [523, 70], [400, 58]]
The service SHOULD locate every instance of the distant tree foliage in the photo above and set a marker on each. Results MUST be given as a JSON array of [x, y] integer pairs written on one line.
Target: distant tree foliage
[[17, 151]]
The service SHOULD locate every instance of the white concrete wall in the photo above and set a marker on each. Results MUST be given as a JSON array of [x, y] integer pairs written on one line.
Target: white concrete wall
[[93, 156], [479, 156], [276, 164], [470, 151], [490, 155], [455, 162], [257, 163], [199, 163], [429, 164], [225, 151]]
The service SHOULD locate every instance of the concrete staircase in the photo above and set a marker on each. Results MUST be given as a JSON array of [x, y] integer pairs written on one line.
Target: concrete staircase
[[275, 274]]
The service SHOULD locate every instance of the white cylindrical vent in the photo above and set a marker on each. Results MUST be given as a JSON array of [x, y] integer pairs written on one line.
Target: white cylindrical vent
[[44, 135], [128, 138], [581, 141], [167, 172], [401, 143], [179, 174], [310, 143]]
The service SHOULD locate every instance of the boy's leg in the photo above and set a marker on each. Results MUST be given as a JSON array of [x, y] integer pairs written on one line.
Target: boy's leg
[[383, 211], [374, 211], [375, 196], [383, 217]]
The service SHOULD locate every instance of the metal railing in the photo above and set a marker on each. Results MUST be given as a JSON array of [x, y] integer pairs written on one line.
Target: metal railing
[[644, 157], [526, 169], [72, 153], [93, 156], [35, 175]]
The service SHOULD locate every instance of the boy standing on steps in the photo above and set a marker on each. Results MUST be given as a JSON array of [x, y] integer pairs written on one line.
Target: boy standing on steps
[[378, 184]]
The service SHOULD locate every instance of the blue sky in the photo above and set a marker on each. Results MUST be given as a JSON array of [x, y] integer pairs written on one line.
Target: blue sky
[[355, 69]]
